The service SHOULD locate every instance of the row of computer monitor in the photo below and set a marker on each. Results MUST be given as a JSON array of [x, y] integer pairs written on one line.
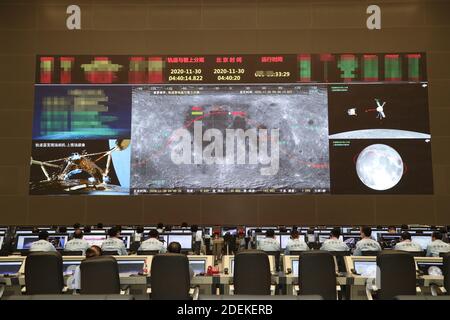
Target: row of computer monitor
[[389, 239], [24, 241]]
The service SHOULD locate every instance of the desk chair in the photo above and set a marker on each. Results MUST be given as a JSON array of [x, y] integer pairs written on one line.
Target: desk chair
[[44, 273], [317, 274], [100, 275], [252, 273], [72, 253], [147, 252], [396, 275], [170, 278], [370, 253]]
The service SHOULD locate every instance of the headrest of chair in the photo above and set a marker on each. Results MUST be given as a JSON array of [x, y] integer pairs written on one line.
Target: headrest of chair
[[250, 253], [315, 253], [38, 254], [100, 260], [170, 258]]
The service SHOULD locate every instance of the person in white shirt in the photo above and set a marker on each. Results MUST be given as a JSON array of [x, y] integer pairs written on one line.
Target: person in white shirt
[[160, 227], [139, 234], [42, 244], [437, 246], [366, 243], [406, 244], [334, 243], [197, 239], [295, 243], [114, 243], [153, 243], [74, 281], [269, 243], [77, 243]]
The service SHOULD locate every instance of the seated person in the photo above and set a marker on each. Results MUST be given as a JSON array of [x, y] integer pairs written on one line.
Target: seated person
[[406, 244], [138, 234], [114, 243], [74, 282], [392, 229], [153, 243], [366, 243], [77, 243], [175, 247], [269, 243], [437, 246], [334, 243], [295, 243], [42, 244]]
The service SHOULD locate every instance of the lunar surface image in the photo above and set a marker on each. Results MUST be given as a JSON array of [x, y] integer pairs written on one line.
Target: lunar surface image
[[379, 167], [299, 113]]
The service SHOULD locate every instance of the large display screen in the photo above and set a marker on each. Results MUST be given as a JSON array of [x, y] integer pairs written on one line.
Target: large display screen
[[293, 123]]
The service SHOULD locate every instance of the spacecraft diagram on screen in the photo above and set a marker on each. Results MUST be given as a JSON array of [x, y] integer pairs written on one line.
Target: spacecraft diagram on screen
[[379, 109], [62, 173]]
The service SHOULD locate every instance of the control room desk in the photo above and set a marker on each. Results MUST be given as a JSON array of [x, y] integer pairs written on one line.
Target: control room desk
[[220, 283]]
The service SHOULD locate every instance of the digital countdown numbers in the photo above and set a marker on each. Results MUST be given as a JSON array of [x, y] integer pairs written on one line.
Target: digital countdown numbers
[[216, 69]]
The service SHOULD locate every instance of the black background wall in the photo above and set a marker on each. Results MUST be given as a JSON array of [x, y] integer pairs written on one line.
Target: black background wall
[[30, 27]]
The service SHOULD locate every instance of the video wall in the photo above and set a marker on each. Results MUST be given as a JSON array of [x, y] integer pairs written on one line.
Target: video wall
[[239, 124]]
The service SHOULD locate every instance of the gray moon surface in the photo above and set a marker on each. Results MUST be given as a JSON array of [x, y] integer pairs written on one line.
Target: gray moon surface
[[380, 134], [301, 117], [379, 167]]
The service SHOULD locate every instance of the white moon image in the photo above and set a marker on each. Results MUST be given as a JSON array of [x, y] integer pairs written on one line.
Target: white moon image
[[379, 167]]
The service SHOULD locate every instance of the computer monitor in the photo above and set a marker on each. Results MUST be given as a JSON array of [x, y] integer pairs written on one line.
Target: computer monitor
[[69, 267], [10, 267], [130, 267], [95, 239], [184, 239], [198, 265], [18, 232], [98, 231], [126, 238], [350, 239], [422, 239], [24, 241], [365, 268], [388, 240], [294, 267], [208, 231], [127, 232], [375, 233], [260, 236], [323, 237], [58, 240], [283, 239], [430, 268], [164, 238], [231, 230]]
